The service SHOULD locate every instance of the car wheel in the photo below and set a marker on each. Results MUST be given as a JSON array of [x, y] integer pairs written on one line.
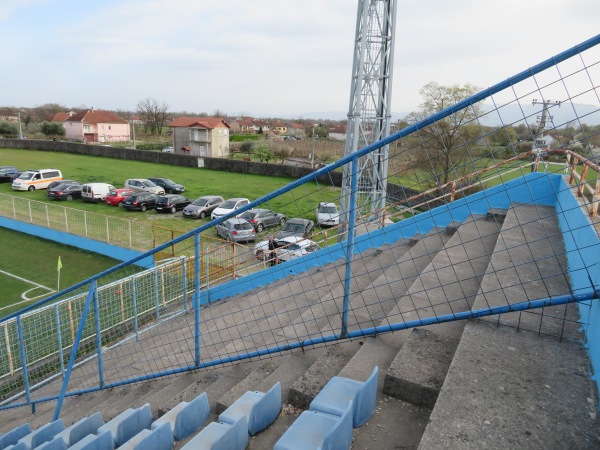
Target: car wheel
[[173, 210], [260, 227], [120, 204], [143, 208], [202, 214], [31, 188], [69, 198], [282, 221]]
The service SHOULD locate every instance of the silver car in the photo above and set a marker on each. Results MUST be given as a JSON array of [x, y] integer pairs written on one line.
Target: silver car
[[236, 230], [202, 207]]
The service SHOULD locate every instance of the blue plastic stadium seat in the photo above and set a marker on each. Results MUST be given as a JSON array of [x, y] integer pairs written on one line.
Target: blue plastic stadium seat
[[55, 444], [159, 438], [334, 398], [128, 424], [81, 428], [260, 409], [221, 436], [102, 441], [43, 434], [19, 446], [186, 418], [316, 430], [13, 436]]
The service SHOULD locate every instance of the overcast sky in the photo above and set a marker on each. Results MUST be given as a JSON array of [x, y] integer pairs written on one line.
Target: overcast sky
[[264, 58]]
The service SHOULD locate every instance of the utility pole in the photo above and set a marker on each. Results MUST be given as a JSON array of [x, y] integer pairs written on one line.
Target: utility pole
[[369, 113], [539, 144]]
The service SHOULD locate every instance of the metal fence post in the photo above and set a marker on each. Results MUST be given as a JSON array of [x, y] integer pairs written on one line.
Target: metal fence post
[[207, 273], [61, 356], [135, 314], [156, 293], [86, 309], [23, 357], [98, 339], [184, 275], [196, 299], [351, 226]]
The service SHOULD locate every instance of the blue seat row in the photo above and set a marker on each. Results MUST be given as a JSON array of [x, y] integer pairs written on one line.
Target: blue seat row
[[343, 404]]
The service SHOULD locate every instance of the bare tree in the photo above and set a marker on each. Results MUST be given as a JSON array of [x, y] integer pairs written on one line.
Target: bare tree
[[448, 142], [153, 114]]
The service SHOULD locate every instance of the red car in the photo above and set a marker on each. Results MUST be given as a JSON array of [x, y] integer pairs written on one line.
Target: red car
[[116, 197]]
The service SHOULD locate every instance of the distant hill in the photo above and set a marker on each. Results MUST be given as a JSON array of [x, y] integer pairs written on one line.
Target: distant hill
[[511, 114]]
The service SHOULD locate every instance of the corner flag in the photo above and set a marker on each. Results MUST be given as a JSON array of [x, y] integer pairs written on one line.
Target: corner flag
[[59, 265]]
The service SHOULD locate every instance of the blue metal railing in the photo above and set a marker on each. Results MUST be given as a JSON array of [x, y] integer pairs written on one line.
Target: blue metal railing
[[198, 298]]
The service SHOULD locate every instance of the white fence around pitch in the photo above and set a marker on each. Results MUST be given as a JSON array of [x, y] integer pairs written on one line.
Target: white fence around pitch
[[112, 230]]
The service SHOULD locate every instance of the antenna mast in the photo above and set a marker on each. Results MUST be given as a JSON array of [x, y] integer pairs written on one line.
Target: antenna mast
[[369, 114]]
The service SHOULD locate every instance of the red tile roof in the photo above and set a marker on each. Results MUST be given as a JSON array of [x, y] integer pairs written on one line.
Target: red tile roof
[[96, 116], [198, 122], [60, 117]]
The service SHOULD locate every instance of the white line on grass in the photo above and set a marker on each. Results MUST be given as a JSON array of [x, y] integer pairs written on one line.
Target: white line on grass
[[24, 294]]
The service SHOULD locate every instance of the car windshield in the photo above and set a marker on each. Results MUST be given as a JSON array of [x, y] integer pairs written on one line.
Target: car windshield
[[148, 183], [328, 209], [311, 248], [4, 171], [112, 193], [229, 204], [293, 227], [242, 226], [248, 215], [26, 176], [169, 182], [161, 200], [200, 202]]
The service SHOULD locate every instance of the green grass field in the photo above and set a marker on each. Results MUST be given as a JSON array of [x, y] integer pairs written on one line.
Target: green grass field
[[197, 181], [35, 259]]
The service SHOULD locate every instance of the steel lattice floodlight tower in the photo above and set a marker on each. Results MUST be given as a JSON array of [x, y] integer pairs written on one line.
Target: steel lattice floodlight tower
[[369, 114]]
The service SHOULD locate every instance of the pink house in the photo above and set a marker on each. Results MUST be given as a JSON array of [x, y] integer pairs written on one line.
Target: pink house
[[96, 126]]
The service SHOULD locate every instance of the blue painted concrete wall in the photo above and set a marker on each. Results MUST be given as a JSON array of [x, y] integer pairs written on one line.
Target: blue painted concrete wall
[[122, 254], [583, 254]]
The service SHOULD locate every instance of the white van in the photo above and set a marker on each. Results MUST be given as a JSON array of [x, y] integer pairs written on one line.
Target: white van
[[95, 192], [30, 180]]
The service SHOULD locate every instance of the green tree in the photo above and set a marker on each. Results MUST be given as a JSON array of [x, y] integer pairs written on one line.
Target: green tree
[[448, 142], [504, 136], [53, 129], [8, 129], [263, 153], [246, 147]]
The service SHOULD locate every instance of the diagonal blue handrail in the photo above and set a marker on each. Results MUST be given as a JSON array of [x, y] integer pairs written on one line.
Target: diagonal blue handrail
[[476, 98]]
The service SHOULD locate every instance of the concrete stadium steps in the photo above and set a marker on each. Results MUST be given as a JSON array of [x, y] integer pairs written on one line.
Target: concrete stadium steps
[[447, 283], [401, 266], [477, 384]]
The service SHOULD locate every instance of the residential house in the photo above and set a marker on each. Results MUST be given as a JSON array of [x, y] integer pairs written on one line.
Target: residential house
[[279, 127], [92, 125], [201, 136], [338, 133], [242, 126], [61, 116]]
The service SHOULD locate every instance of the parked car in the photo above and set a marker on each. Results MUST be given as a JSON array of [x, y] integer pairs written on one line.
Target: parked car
[[56, 183], [168, 149], [8, 174], [203, 206], [169, 186], [64, 191], [236, 230], [116, 197], [296, 227], [95, 192], [228, 206], [143, 184], [288, 248], [140, 201], [263, 218], [327, 214], [171, 203], [30, 180]]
